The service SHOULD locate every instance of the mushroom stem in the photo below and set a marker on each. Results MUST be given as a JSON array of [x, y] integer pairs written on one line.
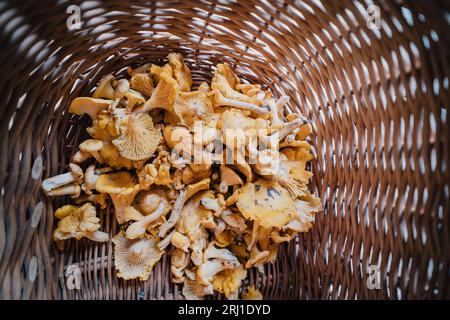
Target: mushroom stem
[[166, 241], [137, 229], [81, 156], [76, 173], [290, 126], [70, 189], [276, 109], [98, 236], [57, 181], [254, 235], [184, 196], [221, 101]]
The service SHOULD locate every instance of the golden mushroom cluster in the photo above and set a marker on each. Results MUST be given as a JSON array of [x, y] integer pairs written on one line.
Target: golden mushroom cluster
[[218, 173]]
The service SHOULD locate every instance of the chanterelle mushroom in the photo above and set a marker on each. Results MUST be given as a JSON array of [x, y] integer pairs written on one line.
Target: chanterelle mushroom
[[193, 106], [104, 89], [216, 260], [142, 83], [221, 101], [185, 194], [78, 222], [139, 139], [267, 202], [228, 178], [122, 188], [193, 290], [137, 229], [180, 70], [229, 281], [163, 95], [91, 106], [66, 183], [135, 258], [252, 293]]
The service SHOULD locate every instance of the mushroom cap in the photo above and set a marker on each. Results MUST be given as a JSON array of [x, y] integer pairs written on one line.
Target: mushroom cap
[[157, 71], [267, 202], [135, 258], [228, 178], [180, 70], [228, 281], [235, 119], [163, 95], [139, 139], [76, 222], [104, 88], [207, 270], [225, 70], [122, 88], [91, 106], [193, 290], [163, 176], [180, 241], [147, 201], [142, 83], [179, 258], [193, 106], [64, 211], [134, 98], [115, 182], [91, 145], [192, 214]]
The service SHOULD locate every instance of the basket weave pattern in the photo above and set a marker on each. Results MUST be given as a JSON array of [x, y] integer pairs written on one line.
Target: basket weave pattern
[[377, 98]]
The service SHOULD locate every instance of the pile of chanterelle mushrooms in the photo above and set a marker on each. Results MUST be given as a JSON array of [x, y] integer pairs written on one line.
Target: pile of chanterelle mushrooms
[[163, 155]]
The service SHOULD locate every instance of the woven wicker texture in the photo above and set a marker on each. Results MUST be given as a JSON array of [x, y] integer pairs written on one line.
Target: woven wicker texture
[[378, 100]]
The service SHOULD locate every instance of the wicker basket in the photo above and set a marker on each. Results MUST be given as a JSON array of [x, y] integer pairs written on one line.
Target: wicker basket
[[378, 99]]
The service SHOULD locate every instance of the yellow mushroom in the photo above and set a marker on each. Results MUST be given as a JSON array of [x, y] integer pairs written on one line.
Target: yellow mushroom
[[184, 196], [222, 101], [216, 260], [104, 88], [228, 178], [192, 107], [193, 290], [179, 260], [229, 281], [78, 222], [267, 202], [162, 97], [66, 183], [91, 106], [121, 187], [121, 89], [142, 83], [225, 70], [139, 139], [181, 71], [133, 98], [135, 258], [137, 229]]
